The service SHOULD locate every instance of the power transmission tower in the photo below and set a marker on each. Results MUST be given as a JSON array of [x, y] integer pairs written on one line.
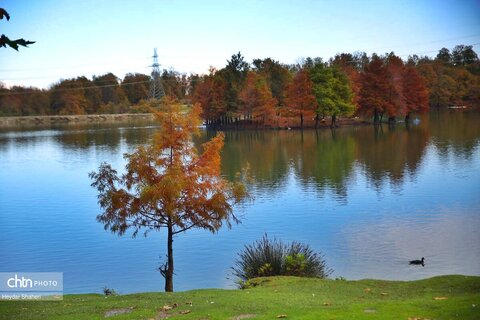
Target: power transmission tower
[[156, 88]]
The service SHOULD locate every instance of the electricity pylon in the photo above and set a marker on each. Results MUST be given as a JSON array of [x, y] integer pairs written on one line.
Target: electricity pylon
[[156, 88]]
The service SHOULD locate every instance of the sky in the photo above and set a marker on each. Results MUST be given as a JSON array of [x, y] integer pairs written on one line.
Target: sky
[[93, 37]]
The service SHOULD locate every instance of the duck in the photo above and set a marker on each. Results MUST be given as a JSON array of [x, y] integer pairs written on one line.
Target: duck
[[422, 262]]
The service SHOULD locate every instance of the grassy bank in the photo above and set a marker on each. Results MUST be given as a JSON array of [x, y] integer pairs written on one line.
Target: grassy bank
[[445, 297]]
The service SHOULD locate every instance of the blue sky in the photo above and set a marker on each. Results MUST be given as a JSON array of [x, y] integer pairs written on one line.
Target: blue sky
[[87, 37]]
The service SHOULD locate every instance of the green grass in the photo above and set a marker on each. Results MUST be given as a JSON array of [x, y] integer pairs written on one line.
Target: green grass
[[298, 298]]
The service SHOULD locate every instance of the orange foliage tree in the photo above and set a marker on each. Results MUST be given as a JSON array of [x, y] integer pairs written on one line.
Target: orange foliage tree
[[168, 184], [256, 98], [396, 105], [210, 93], [374, 91], [415, 92], [300, 98]]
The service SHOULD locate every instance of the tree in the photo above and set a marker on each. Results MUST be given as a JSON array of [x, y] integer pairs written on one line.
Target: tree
[[135, 86], [374, 89], [300, 97], [351, 65], [110, 88], [395, 105], [464, 55], [234, 74], [415, 92], [210, 93], [168, 185], [5, 41], [277, 76], [332, 91], [67, 97], [256, 98], [444, 55], [174, 83]]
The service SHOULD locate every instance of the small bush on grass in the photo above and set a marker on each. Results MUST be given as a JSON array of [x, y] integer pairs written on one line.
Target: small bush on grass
[[266, 257]]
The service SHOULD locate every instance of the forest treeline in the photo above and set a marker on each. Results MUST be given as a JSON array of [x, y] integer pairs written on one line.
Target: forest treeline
[[265, 91]]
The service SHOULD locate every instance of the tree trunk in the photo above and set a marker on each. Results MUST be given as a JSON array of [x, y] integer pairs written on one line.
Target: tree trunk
[[407, 117], [391, 121], [334, 121], [301, 120], [316, 121], [169, 266], [375, 117]]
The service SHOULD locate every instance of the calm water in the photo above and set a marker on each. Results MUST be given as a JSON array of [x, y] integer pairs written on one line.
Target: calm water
[[369, 199]]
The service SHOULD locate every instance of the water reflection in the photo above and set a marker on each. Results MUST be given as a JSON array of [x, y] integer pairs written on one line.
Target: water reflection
[[326, 159]]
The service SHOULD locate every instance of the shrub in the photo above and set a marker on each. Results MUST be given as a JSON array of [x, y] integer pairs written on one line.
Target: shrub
[[265, 258]]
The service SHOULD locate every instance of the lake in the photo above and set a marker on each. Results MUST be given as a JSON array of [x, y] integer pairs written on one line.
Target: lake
[[369, 199]]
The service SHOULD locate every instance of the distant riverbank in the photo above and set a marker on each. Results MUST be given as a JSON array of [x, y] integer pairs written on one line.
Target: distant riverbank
[[6, 122]]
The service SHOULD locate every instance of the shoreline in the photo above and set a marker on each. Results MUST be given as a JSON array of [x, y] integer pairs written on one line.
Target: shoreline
[[11, 122], [284, 124]]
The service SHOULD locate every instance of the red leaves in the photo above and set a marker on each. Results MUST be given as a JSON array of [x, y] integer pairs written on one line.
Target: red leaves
[[300, 98]]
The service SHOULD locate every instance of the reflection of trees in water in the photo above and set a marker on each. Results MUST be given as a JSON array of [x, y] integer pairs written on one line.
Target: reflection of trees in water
[[389, 154], [324, 159], [318, 158], [107, 138], [263, 150], [454, 131]]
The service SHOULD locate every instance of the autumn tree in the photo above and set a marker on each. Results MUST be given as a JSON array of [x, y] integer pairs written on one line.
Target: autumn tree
[[300, 98], [415, 92], [256, 98], [394, 96], [277, 76], [168, 185], [110, 88], [67, 97], [375, 85], [210, 93], [136, 87]]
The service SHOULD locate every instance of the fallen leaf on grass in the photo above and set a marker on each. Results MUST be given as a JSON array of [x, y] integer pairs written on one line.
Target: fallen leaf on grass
[[326, 304], [384, 294], [418, 318], [190, 303], [282, 316], [367, 289], [167, 307], [440, 298], [185, 312]]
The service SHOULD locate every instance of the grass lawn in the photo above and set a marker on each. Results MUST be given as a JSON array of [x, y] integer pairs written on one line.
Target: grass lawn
[[445, 297]]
